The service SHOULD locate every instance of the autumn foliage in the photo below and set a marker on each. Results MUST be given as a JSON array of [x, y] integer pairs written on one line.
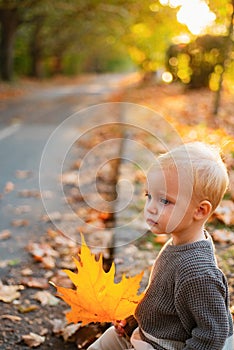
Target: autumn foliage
[[97, 298]]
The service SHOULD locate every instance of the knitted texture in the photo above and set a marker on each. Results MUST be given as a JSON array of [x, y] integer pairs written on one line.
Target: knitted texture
[[187, 298]]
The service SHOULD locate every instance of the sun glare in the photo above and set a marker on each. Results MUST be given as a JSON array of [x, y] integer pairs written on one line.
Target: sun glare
[[195, 14]]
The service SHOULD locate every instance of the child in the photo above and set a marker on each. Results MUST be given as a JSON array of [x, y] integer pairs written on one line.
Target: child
[[186, 303]]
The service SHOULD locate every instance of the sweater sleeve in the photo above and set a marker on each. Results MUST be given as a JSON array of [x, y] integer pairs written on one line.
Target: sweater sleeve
[[202, 302]]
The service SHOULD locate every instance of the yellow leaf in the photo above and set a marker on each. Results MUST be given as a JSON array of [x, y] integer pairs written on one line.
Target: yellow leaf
[[97, 298]]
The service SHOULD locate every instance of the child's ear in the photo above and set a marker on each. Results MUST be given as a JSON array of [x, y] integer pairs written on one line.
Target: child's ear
[[203, 210]]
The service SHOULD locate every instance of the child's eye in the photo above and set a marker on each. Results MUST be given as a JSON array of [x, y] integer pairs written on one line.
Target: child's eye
[[164, 201], [147, 194]]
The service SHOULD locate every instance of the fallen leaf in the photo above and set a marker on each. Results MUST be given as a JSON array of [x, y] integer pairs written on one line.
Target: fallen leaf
[[24, 309], [43, 253], [23, 174], [70, 330], [9, 293], [54, 216], [5, 234], [70, 178], [26, 272], [48, 262], [11, 318], [58, 325], [225, 212], [29, 193], [46, 298], [97, 297], [41, 249], [33, 340], [9, 187], [60, 278], [223, 236], [20, 223], [33, 282]]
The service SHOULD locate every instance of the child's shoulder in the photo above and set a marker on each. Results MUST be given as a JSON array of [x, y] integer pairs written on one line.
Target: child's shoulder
[[201, 266], [192, 260]]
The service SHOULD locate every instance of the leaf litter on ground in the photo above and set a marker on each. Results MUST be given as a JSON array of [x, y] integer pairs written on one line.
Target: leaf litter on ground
[[184, 111]]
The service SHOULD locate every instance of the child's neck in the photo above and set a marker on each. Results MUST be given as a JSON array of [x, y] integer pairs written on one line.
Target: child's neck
[[188, 237]]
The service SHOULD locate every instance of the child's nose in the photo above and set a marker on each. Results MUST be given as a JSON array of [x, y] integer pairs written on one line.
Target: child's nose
[[152, 208]]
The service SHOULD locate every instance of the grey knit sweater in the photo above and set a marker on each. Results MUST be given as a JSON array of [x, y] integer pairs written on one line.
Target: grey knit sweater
[[187, 298]]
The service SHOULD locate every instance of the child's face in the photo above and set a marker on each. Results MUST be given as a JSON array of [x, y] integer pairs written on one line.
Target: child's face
[[168, 209]]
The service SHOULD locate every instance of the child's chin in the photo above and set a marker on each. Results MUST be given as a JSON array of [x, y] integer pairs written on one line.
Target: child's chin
[[155, 231], [158, 232]]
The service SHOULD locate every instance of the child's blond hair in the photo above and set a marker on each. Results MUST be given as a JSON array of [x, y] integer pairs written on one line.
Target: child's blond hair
[[203, 163]]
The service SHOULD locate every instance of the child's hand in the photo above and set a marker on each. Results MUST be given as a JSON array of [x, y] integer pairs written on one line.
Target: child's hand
[[119, 327]]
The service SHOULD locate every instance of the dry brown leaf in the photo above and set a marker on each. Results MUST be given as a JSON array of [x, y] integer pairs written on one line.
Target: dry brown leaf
[[225, 212], [33, 282], [11, 318], [33, 340], [70, 330], [5, 234], [62, 279], [43, 253], [39, 250], [9, 293], [29, 193], [46, 298], [23, 174], [54, 216], [24, 309], [20, 223], [48, 262], [26, 272], [70, 178], [58, 325], [223, 236], [9, 187]]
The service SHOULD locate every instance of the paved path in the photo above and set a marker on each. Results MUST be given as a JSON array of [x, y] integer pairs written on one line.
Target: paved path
[[26, 124]]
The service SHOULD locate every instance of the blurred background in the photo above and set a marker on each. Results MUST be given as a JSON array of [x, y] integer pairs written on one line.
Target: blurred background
[[57, 59], [167, 40]]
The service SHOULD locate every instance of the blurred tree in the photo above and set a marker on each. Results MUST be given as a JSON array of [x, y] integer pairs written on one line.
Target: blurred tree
[[13, 14], [88, 30], [193, 64], [150, 33], [225, 15], [90, 35], [9, 20]]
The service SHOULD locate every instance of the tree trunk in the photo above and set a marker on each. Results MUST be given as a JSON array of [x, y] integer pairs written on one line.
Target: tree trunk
[[9, 23], [36, 49]]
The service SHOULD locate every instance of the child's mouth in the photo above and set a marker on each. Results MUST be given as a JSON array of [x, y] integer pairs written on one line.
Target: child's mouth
[[151, 222]]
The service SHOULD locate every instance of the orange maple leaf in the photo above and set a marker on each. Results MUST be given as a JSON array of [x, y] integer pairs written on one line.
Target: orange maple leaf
[[97, 298]]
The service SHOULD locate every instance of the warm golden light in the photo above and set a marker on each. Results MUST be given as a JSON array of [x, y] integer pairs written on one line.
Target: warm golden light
[[181, 39], [167, 77], [195, 14]]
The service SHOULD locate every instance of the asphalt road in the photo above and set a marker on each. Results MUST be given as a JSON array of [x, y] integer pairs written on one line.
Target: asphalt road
[[26, 125]]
